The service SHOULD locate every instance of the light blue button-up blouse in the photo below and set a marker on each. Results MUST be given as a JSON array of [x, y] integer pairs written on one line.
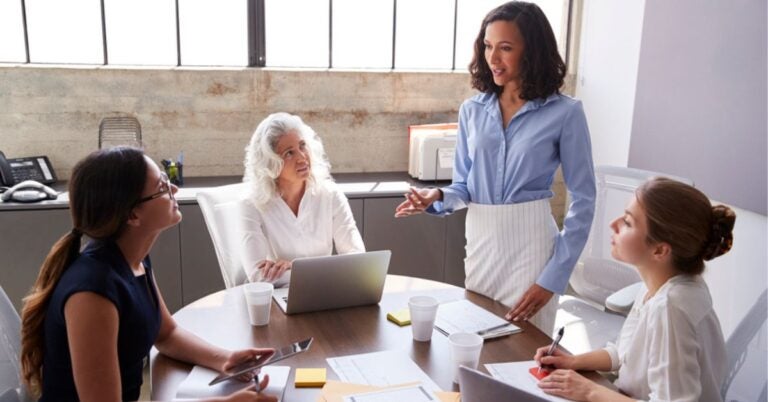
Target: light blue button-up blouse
[[494, 165]]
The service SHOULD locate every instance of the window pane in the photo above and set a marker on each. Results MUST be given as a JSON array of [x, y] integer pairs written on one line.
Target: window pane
[[362, 33], [472, 12], [421, 43], [213, 32], [141, 31], [65, 31], [296, 33], [12, 32]]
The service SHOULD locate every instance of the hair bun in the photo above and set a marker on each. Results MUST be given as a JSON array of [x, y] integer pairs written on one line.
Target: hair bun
[[721, 234]]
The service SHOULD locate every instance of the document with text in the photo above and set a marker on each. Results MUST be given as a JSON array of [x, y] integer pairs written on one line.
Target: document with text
[[516, 374], [465, 316], [380, 368]]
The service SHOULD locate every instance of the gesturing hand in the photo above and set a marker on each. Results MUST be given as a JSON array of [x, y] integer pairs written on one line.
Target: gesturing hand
[[417, 201], [532, 301]]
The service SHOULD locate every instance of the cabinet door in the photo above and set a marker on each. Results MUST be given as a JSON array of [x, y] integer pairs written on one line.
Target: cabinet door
[[417, 242], [166, 264], [200, 272], [26, 239], [455, 251]]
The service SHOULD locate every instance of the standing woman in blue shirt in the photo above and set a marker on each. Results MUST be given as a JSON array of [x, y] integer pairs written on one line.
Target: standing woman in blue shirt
[[92, 316], [511, 139]]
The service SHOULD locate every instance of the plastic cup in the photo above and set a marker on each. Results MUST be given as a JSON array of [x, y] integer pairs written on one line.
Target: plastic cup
[[258, 297], [465, 351], [423, 312]]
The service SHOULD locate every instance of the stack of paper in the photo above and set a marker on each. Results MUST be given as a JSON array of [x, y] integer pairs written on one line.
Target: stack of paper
[[195, 386], [380, 369], [335, 391], [465, 316]]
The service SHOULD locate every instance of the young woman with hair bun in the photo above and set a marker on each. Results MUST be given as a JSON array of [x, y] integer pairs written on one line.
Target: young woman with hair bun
[[671, 347]]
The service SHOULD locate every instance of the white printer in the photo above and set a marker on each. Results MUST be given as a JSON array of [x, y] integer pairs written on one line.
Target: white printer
[[431, 150]]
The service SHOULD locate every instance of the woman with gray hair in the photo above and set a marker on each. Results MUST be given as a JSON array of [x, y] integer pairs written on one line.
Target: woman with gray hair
[[293, 209]]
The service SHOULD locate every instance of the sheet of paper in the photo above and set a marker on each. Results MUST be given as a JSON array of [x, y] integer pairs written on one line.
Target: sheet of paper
[[517, 375], [196, 384], [413, 393], [380, 368], [335, 391], [465, 316]]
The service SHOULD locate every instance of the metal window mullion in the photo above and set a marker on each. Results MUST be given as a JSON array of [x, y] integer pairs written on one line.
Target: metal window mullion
[[330, 34], [24, 23], [256, 34], [568, 28], [178, 37], [104, 33], [394, 30], [455, 28]]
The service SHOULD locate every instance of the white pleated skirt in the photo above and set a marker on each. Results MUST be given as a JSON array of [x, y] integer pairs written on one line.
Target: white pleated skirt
[[507, 248]]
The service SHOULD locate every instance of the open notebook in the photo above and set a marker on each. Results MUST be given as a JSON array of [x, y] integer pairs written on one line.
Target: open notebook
[[465, 316], [196, 386]]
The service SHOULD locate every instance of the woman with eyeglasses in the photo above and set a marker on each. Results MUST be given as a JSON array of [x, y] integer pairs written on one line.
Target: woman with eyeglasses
[[293, 208], [93, 315]]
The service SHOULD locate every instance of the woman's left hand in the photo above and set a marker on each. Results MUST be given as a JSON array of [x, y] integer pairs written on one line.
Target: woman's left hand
[[245, 355], [568, 384], [533, 300]]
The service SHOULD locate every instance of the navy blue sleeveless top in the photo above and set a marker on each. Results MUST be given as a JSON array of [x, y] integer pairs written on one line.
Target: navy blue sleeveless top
[[102, 269]]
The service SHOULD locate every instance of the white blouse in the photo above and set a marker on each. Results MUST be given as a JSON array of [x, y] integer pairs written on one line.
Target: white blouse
[[671, 347], [274, 233]]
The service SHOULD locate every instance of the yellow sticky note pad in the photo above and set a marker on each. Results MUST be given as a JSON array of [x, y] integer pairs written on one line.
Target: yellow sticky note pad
[[400, 317], [310, 377]]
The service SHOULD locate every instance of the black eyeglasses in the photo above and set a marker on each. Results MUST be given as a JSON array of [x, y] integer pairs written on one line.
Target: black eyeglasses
[[166, 189]]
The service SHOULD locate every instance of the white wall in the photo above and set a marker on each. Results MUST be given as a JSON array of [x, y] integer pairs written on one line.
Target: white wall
[[607, 75], [700, 106]]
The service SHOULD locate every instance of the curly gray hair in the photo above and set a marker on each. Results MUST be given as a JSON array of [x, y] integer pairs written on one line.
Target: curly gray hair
[[263, 165]]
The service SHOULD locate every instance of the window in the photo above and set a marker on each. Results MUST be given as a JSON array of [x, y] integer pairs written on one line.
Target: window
[[362, 33], [296, 33], [12, 32], [213, 32], [424, 34], [345, 34], [141, 31], [65, 31]]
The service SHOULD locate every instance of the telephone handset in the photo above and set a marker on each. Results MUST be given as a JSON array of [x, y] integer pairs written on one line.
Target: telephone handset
[[29, 191], [17, 170]]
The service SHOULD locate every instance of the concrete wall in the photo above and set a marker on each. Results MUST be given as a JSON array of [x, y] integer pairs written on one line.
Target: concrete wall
[[211, 114]]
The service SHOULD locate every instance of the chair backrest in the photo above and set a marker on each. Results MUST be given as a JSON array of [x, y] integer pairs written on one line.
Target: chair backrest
[[11, 387], [746, 378], [598, 275], [220, 207]]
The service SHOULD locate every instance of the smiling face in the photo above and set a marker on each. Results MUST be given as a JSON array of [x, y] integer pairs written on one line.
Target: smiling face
[[292, 149], [504, 48], [630, 233]]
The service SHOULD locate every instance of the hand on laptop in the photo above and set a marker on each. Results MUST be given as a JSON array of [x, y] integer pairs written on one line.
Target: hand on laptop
[[272, 270]]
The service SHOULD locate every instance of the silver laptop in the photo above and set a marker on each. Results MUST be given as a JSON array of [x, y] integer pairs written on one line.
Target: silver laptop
[[479, 387], [334, 281]]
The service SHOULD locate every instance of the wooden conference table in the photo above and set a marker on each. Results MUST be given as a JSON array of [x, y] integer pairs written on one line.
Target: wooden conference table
[[222, 319]]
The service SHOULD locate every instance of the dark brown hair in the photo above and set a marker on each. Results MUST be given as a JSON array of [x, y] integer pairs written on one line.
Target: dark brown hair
[[103, 190], [542, 68], [683, 217]]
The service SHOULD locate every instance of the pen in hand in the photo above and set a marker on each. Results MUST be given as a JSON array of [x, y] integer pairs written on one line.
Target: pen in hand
[[258, 384], [554, 345]]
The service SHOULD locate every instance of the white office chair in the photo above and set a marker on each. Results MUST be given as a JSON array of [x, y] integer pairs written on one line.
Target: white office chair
[[598, 280], [11, 387], [221, 213], [746, 348]]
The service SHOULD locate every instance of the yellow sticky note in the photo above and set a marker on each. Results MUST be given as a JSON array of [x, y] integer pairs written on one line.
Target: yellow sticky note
[[310, 377], [400, 317]]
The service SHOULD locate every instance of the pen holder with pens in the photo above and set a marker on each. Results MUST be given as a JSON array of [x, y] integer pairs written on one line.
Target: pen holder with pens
[[174, 170]]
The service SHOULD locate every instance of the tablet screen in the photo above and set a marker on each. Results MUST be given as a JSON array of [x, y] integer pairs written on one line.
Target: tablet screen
[[280, 354]]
